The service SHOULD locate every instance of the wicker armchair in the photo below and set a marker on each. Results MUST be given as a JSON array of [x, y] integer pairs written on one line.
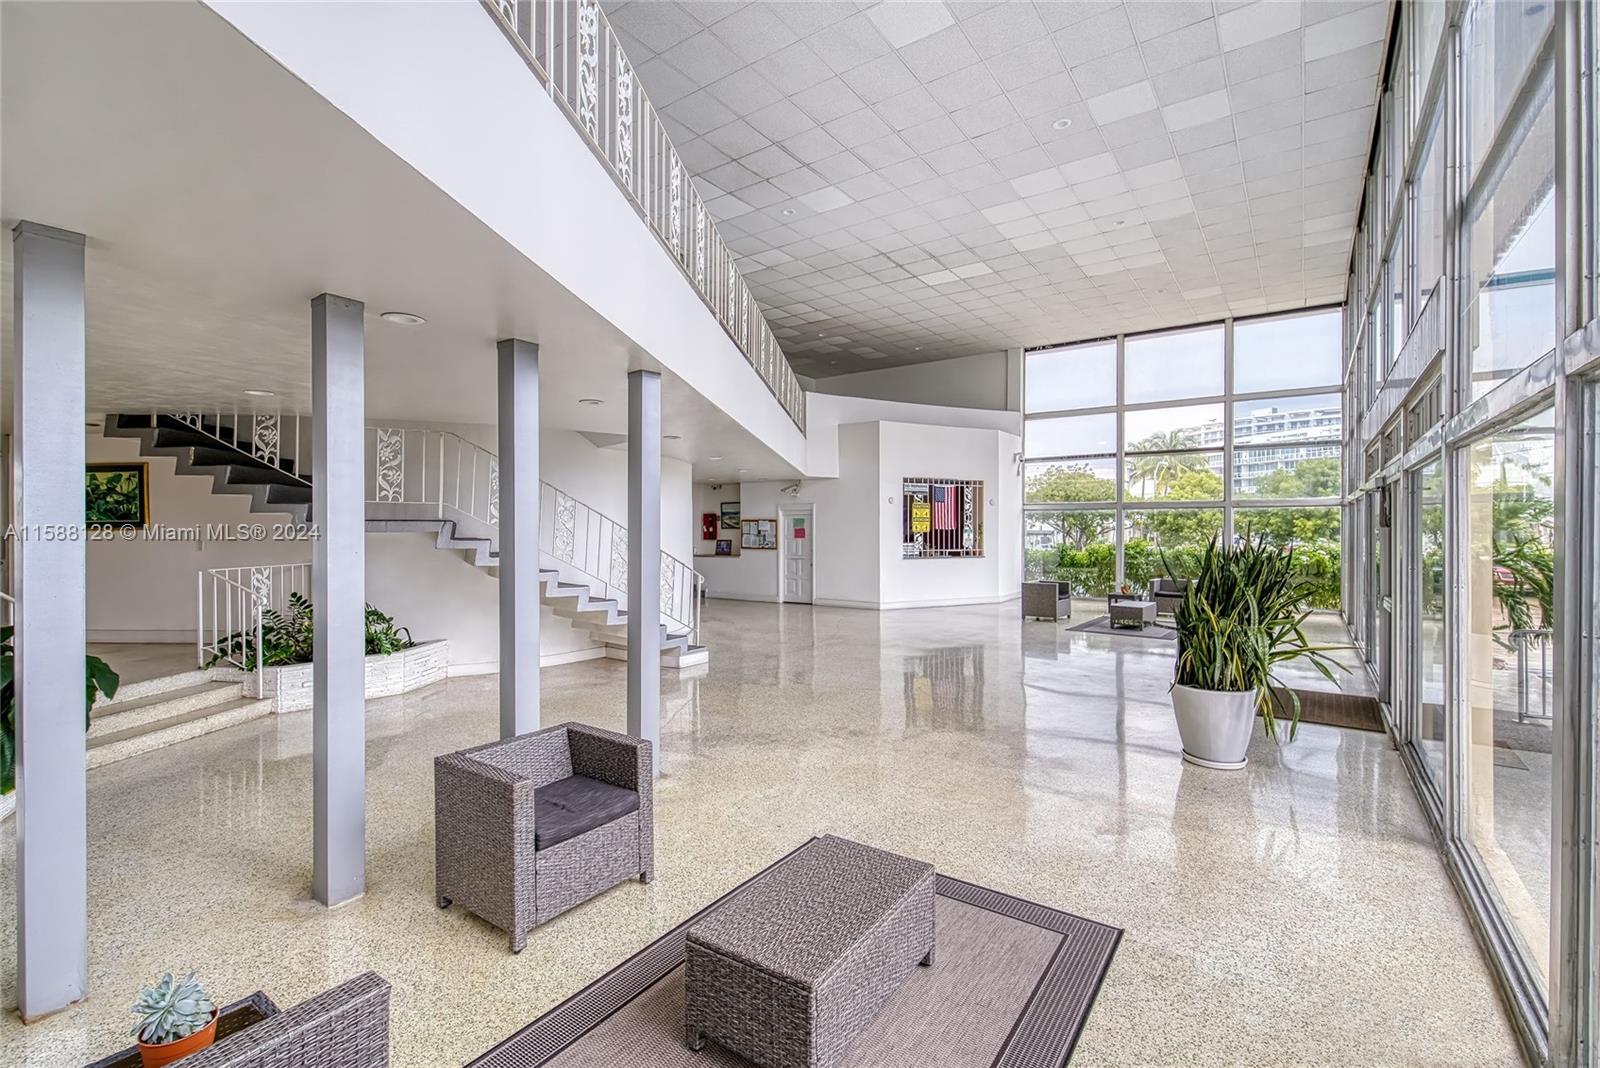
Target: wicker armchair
[[1168, 593], [1046, 599], [346, 1027], [531, 826]]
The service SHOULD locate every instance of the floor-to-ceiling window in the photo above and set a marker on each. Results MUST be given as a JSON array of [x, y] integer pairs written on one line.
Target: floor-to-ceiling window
[[1472, 356], [1138, 452]]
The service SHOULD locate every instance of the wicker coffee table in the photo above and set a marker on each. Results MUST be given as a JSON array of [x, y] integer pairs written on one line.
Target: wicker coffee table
[[792, 970], [1133, 614]]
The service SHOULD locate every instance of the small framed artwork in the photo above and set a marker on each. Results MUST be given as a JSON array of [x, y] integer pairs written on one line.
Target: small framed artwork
[[759, 534], [724, 546], [730, 515], [117, 495]]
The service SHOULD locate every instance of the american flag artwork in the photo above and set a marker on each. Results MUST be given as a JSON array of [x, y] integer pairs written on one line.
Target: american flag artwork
[[941, 517]]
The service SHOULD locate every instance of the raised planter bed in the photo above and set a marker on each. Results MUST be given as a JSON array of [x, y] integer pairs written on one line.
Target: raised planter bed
[[410, 669]]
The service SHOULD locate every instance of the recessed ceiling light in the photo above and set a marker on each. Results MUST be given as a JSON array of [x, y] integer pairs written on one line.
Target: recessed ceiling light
[[1061, 124], [713, 457], [1121, 221], [92, 426], [593, 402], [744, 470], [259, 393], [916, 348], [673, 437], [403, 318]]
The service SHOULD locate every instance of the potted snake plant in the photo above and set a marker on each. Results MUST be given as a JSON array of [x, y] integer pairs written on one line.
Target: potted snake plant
[[1241, 616], [176, 1018]]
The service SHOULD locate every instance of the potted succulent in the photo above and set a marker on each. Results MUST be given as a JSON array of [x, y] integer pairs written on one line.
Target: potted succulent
[[176, 1018], [1241, 616]]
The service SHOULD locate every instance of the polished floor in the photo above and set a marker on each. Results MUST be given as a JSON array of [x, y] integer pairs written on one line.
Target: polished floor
[[1294, 913]]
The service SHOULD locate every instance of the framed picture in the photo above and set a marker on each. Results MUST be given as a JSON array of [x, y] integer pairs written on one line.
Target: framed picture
[[117, 495], [759, 534], [730, 515], [724, 546]]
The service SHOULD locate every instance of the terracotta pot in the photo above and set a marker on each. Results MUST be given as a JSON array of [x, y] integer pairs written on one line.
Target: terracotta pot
[[164, 1053]]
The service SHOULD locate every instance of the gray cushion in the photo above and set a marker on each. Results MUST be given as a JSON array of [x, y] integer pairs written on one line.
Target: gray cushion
[[571, 806]]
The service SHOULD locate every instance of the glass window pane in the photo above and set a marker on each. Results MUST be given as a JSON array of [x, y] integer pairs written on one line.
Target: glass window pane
[[1180, 535], [1394, 310], [1312, 417], [1185, 363], [1071, 435], [1511, 320], [1287, 472], [1313, 534], [1428, 686], [1078, 376], [1429, 207], [1184, 476], [1192, 426], [1429, 26], [1501, 38], [1060, 481], [1510, 575], [1287, 352], [1075, 547]]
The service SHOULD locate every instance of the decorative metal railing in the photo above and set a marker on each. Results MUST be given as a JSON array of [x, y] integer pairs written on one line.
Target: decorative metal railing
[[230, 608], [268, 436], [438, 474], [574, 52]]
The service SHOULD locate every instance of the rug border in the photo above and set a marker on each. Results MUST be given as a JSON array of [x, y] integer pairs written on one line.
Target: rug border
[[1042, 1036], [1087, 627]]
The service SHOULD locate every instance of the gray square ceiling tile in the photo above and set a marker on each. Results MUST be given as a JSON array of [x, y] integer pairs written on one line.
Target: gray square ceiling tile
[[1026, 63], [1100, 76], [780, 120], [967, 86], [1140, 127], [1100, 35], [1181, 47], [1152, 18], [813, 145], [938, 54], [881, 78], [1206, 135], [1048, 96], [1194, 80], [703, 57], [940, 132], [1262, 57], [848, 43], [986, 116], [858, 128], [744, 89], [1000, 29], [1358, 64], [737, 138], [828, 100], [754, 32], [903, 24], [793, 69]]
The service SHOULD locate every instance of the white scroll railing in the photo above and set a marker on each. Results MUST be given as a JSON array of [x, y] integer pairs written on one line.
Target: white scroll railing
[[435, 474], [230, 608], [574, 52], [269, 436]]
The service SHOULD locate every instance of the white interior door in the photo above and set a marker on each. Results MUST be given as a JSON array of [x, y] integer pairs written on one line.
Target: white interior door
[[797, 538]]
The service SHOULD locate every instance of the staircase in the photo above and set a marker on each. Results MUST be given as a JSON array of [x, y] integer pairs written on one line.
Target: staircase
[[160, 712], [431, 482]]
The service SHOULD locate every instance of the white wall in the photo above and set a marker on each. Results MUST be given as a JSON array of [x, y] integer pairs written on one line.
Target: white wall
[[963, 382], [143, 590], [856, 561]]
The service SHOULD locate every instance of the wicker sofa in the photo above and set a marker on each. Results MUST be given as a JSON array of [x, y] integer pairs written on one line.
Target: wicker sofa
[[346, 1027], [528, 827]]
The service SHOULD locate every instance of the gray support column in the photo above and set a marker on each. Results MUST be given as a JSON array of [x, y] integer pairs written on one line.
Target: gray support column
[[338, 592], [519, 537], [644, 558], [52, 801]]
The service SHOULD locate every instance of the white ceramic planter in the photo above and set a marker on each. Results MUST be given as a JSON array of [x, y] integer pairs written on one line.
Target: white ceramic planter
[[421, 665], [8, 804], [1215, 725]]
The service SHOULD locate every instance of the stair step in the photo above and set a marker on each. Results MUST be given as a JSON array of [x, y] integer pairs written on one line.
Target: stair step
[[144, 738], [117, 715], [129, 692]]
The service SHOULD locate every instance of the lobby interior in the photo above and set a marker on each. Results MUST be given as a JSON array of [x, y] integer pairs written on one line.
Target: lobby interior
[[865, 321]]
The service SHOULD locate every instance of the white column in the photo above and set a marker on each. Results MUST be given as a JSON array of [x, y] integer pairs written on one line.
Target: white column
[[519, 537], [338, 591], [644, 558], [47, 481]]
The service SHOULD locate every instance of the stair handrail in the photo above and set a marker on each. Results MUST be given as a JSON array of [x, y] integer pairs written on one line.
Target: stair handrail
[[231, 604], [273, 439], [441, 472]]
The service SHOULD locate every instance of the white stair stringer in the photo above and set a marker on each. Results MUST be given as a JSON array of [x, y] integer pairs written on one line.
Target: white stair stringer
[[604, 618]]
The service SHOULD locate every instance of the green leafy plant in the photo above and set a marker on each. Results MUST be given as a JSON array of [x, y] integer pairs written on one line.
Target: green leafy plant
[[115, 497], [171, 1010], [288, 637], [1242, 615], [98, 678], [1530, 565]]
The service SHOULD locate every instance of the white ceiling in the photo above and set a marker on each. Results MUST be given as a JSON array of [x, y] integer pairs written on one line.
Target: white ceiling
[[219, 194], [906, 181]]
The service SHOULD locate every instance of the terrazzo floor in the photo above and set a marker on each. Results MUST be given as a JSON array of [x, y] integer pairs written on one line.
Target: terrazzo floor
[[1291, 914]]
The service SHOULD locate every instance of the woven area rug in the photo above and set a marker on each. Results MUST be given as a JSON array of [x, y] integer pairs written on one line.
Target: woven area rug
[[1102, 625], [1011, 987]]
